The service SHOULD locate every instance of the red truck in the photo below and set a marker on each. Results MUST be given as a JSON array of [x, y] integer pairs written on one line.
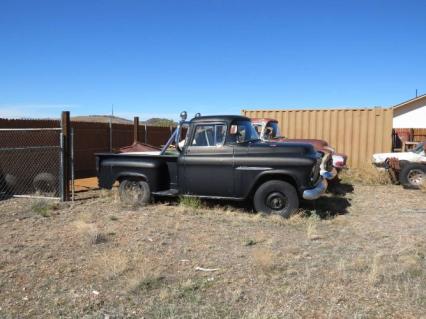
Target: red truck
[[269, 130]]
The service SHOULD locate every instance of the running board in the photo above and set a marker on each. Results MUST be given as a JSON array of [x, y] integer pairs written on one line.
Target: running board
[[169, 192]]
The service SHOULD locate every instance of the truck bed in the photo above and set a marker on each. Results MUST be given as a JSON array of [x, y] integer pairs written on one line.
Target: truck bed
[[160, 170]]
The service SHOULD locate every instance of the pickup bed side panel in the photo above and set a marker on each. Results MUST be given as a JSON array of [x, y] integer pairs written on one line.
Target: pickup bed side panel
[[155, 170]]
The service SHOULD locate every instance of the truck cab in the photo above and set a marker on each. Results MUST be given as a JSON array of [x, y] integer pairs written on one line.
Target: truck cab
[[222, 157]]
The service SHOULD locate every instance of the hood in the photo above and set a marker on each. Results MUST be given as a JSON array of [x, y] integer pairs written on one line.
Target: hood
[[405, 156], [317, 144], [278, 148]]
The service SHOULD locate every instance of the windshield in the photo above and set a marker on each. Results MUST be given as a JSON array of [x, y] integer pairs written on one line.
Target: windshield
[[241, 132], [272, 131], [258, 128], [418, 149]]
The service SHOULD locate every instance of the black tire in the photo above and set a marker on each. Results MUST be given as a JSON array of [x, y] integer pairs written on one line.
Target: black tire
[[11, 183], [134, 192], [45, 183], [412, 175], [276, 197]]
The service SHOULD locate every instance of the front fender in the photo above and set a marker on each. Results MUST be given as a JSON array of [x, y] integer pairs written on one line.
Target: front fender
[[293, 177]]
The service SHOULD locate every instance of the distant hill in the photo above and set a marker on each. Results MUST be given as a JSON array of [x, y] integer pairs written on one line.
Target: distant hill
[[119, 120], [101, 119], [156, 121]]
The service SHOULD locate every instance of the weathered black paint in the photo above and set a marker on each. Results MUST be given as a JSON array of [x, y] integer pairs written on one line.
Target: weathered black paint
[[227, 171]]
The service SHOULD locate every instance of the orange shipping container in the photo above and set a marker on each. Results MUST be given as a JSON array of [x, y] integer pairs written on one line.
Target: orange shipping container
[[359, 133]]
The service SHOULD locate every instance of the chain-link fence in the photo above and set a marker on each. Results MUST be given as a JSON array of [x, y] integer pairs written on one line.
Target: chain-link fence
[[31, 162]]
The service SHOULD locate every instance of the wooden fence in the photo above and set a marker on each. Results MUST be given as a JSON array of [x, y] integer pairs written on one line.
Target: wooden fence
[[419, 134], [91, 138], [359, 133]]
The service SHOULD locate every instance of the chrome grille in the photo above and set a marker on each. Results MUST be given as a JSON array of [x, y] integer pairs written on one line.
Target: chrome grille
[[316, 171]]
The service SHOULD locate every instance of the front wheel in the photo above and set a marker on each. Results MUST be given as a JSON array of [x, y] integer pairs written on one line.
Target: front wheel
[[134, 192], [413, 175], [276, 197]]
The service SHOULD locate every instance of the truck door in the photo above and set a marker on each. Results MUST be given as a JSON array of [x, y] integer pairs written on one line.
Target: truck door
[[208, 162]]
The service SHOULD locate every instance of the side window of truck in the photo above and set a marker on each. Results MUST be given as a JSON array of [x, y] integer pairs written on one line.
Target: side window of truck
[[209, 135]]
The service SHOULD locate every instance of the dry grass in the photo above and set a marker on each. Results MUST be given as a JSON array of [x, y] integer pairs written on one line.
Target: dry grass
[[190, 202], [366, 175], [263, 258], [90, 232], [423, 186], [111, 264], [312, 229], [369, 263], [44, 208]]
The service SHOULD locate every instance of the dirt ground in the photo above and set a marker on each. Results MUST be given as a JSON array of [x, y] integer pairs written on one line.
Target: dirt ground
[[358, 254]]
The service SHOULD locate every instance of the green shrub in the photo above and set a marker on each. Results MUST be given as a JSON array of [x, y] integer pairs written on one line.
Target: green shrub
[[191, 202]]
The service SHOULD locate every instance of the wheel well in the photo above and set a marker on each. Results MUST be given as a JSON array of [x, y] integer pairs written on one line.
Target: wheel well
[[272, 177], [131, 178]]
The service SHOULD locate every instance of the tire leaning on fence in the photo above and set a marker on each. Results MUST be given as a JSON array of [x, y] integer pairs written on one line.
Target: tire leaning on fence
[[45, 183], [31, 162]]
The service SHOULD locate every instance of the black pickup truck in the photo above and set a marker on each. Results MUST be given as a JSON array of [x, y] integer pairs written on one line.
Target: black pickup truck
[[222, 157]]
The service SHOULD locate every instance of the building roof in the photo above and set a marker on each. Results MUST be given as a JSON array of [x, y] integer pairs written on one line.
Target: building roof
[[423, 96]]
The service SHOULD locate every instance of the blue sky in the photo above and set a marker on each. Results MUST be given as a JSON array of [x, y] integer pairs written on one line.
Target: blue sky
[[155, 58]]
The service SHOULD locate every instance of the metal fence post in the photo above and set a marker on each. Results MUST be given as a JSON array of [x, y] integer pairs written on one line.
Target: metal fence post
[[61, 167], [72, 165], [110, 135], [135, 129], [66, 136]]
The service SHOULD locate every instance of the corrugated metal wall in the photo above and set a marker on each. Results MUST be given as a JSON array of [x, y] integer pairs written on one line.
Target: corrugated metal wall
[[359, 133]]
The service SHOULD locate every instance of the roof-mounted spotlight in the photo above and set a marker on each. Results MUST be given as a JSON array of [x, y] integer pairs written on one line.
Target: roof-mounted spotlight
[[183, 115], [197, 114]]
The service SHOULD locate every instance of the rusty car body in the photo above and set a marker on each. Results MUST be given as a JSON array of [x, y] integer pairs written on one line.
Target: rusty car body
[[269, 130], [407, 168]]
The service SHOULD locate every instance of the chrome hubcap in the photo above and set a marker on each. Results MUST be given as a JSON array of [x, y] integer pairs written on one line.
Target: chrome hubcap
[[276, 201], [416, 177]]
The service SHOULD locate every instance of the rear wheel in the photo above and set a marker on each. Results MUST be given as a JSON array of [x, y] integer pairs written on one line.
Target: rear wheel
[[413, 175], [276, 197], [134, 192]]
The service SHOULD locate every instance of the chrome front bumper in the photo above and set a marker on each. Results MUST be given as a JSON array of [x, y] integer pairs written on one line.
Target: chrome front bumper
[[317, 191], [329, 174]]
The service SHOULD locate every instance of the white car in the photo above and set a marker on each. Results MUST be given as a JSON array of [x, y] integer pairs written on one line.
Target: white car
[[410, 167]]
